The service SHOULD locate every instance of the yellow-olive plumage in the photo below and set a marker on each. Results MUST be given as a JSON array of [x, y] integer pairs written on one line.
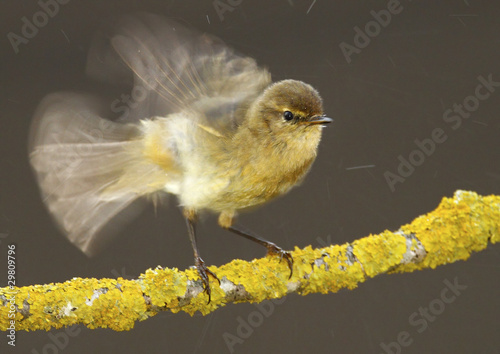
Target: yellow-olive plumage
[[204, 124]]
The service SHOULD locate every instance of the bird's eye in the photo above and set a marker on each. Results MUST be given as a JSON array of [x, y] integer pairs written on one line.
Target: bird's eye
[[288, 115]]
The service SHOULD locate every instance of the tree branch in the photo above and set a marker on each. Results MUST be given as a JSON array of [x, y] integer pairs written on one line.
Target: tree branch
[[459, 226]]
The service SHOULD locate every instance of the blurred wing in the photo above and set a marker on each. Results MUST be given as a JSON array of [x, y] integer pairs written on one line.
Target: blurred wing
[[176, 69], [87, 169]]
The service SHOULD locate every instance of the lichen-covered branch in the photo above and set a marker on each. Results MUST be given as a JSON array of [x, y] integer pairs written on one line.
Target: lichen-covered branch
[[458, 227]]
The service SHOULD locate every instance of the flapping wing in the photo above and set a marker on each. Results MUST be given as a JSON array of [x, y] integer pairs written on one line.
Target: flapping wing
[[176, 69], [78, 157]]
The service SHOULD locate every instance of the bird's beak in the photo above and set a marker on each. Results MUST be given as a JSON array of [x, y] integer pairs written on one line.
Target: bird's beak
[[319, 120]]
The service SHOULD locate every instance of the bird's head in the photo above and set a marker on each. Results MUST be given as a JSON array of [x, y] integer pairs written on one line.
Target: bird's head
[[290, 112]]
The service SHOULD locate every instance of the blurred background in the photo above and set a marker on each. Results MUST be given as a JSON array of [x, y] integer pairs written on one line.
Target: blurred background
[[389, 72]]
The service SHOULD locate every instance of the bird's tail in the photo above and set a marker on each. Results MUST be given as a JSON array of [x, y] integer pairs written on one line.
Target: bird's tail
[[90, 170]]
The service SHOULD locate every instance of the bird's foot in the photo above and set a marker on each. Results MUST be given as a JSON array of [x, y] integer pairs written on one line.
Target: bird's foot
[[204, 272], [273, 249]]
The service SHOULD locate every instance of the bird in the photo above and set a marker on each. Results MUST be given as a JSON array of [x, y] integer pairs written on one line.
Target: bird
[[201, 122]]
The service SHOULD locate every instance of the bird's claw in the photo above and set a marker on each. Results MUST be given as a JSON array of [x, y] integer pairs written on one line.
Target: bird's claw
[[273, 249], [204, 272]]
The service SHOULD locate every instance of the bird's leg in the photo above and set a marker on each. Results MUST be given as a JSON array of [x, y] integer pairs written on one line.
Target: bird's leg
[[204, 272], [226, 220]]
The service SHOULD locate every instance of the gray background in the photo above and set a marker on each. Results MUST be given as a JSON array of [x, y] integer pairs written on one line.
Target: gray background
[[393, 92]]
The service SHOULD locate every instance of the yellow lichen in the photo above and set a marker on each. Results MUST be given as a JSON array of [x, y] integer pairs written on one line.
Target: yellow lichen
[[458, 227]]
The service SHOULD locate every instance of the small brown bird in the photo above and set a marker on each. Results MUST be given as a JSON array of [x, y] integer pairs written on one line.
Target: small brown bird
[[201, 122]]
